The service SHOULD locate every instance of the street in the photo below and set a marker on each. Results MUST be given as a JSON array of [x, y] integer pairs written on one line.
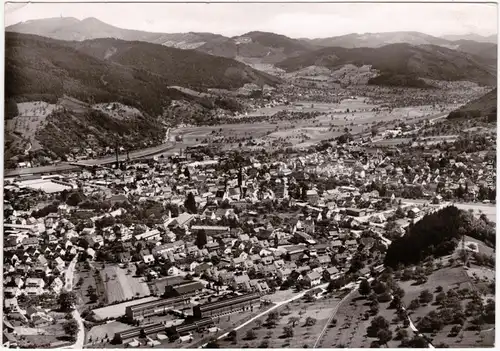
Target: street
[[69, 276]]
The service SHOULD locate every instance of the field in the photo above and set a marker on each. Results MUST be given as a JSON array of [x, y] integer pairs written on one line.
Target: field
[[331, 122], [120, 286], [489, 210], [455, 278], [31, 117], [303, 335], [121, 111], [351, 327], [98, 333], [51, 333]]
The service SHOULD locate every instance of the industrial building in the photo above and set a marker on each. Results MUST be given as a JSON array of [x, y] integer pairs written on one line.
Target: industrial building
[[227, 306], [152, 308]]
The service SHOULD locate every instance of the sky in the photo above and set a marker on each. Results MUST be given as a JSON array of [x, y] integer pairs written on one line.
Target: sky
[[297, 20]]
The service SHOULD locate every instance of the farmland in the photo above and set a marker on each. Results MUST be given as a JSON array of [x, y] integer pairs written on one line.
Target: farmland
[[356, 115], [306, 319], [121, 286]]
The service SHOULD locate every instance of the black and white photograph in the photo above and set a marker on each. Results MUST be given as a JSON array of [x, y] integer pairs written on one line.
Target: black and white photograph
[[249, 175]]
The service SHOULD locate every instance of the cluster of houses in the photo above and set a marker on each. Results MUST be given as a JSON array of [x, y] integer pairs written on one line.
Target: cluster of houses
[[296, 221]]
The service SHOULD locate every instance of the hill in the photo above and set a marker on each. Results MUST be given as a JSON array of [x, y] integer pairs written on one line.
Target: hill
[[471, 36], [487, 51], [424, 61], [109, 70], [484, 106], [187, 68], [268, 47], [375, 40], [68, 28], [436, 235]]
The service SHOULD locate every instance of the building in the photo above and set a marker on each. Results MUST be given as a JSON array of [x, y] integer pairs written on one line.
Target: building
[[149, 235], [211, 230], [152, 308], [355, 212], [197, 325], [227, 306], [185, 290], [120, 337]]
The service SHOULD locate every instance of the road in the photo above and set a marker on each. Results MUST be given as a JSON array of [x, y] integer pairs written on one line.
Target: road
[[331, 317], [69, 277]]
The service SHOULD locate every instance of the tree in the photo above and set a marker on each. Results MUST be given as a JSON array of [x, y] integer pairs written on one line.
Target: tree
[[74, 199], [384, 336], [258, 323], [190, 203], [187, 173], [310, 321], [414, 304], [425, 297], [11, 109], [364, 287], [251, 335], [293, 321], [67, 301], [401, 334], [201, 238], [71, 328], [377, 324], [212, 344], [232, 335], [288, 331], [374, 308], [264, 344]]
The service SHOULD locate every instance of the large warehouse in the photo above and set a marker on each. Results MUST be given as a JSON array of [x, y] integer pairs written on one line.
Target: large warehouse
[[227, 306]]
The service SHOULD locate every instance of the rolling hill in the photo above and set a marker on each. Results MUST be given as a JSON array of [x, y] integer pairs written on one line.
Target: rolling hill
[[375, 40], [268, 47], [484, 106], [106, 70], [253, 48], [136, 74], [471, 36], [68, 28], [424, 61]]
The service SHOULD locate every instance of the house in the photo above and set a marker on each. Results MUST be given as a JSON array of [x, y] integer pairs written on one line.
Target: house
[[323, 260], [331, 273], [240, 282], [414, 212], [148, 258], [313, 279], [124, 257], [284, 273], [56, 285]]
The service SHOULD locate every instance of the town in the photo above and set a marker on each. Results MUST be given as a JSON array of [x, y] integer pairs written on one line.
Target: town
[[225, 175], [190, 250]]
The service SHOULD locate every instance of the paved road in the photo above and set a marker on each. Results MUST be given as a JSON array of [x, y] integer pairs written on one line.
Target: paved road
[[69, 277]]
